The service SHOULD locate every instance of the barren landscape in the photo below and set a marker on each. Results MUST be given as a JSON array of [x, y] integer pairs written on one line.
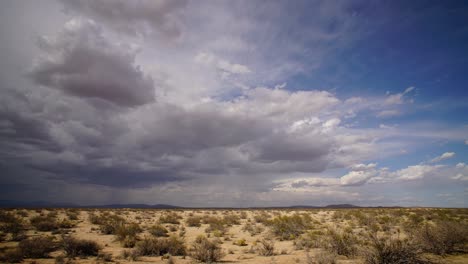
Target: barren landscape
[[358, 235]]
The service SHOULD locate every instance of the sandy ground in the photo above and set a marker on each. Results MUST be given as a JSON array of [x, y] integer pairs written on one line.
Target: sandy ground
[[285, 251]]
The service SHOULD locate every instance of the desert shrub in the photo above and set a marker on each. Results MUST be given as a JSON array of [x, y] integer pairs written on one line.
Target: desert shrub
[[194, 221], [253, 229], [262, 218], [170, 218], [66, 224], [442, 237], [37, 247], [131, 255], [74, 247], [216, 225], [341, 243], [109, 224], [13, 225], [266, 247], [311, 239], [243, 215], [127, 234], [323, 257], [44, 223], [158, 231], [94, 219], [73, 214], [289, 227], [241, 242], [231, 219], [12, 256], [107, 257], [205, 250], [388, 250], [159, 246]]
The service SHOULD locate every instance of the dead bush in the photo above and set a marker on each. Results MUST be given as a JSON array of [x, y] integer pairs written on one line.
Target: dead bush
[[266, 247]]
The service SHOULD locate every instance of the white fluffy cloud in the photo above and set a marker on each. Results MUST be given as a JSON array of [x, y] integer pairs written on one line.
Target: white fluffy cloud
[[446, 155]]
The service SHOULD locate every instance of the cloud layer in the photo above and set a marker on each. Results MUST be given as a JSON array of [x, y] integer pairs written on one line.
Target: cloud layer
[[157, 101]]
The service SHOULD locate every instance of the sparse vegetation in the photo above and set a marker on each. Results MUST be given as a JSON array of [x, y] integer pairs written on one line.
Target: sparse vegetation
[[370, 236]]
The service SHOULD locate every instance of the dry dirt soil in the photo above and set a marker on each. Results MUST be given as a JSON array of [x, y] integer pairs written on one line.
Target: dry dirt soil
[[297, 236]]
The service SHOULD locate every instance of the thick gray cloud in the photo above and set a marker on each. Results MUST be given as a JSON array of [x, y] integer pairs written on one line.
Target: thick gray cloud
[[135, 18], [80, 61]]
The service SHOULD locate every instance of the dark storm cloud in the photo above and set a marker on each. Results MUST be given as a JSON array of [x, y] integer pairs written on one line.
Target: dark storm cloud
[[135, 18], [82, 62]]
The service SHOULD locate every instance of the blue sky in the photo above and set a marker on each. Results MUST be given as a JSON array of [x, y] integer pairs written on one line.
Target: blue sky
[[234, 103]]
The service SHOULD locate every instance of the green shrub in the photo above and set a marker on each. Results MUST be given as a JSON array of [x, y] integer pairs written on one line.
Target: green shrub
[[289, 227]]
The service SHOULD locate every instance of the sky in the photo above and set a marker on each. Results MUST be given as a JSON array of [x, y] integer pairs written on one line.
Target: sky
[[234, 103]]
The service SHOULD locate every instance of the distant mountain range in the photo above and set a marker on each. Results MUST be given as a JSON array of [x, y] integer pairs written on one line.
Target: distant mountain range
[[42, 204]]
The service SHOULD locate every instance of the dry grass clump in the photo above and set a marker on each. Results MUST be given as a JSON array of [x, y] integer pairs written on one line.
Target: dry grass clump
[[74, 247], [266, 247], [206, 251], [37, 247], [442, 237], [159, 246]]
